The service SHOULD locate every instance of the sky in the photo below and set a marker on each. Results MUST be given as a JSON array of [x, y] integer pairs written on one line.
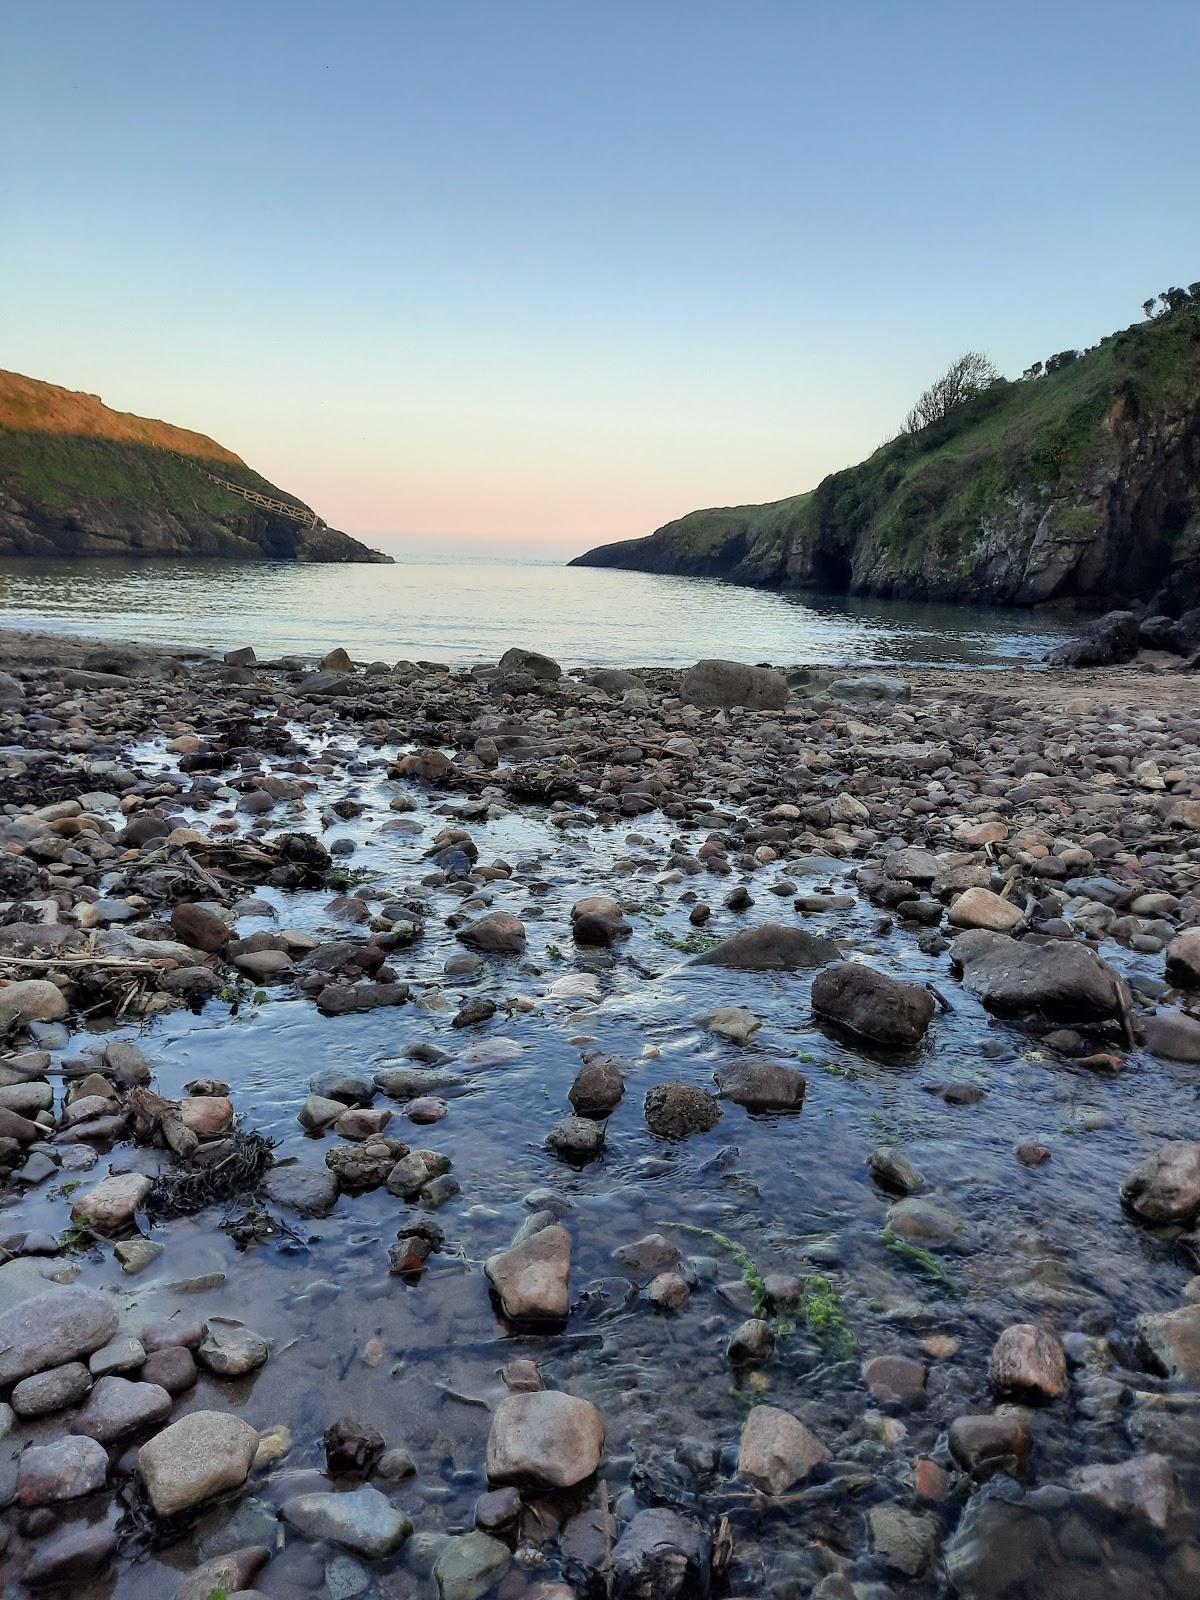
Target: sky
[[523, 277]]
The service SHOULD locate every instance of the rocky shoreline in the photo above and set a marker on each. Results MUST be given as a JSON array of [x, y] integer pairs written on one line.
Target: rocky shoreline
[[540, 1134]]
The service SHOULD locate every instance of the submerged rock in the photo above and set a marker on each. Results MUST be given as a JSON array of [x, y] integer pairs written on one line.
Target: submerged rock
[[1029, 1361], [777, 1450], [663, 1554], [762, 1085], [363, 1520], [467, 1567], [770, 948], [1166, 1187], [676, 1110]]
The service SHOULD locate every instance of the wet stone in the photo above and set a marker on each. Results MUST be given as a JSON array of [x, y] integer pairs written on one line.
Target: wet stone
[[762, 1085], [230, 1573], [544, 1439], [929, 1223], [122, 1354], [1144, 1487], [53, 1328], [171, 1368], [677, 1110], [1166, 1187], [309, 1191], [751, 1342], [193, 1459], [230, 1349], [1029, 1361], [533, 1278], [871, 1005], [668, 1291], [110, 1206], [777, 1450], [117, 1407], [469, 1565], [895, 1380], [662, 1552], [598, 1087], [903, 1541], [576, 1139], [1171, 1341], [55, 1390], [989, 1444], [362, 1520], [70, 1467], [892, 1170], [647, 1256]]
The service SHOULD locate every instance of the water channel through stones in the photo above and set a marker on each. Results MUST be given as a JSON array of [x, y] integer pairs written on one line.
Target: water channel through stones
[[422, 1360]]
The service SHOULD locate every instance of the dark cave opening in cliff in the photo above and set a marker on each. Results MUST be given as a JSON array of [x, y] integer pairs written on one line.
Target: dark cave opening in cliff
[[832, 572]]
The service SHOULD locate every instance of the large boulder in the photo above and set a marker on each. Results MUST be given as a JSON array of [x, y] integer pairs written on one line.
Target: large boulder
[[544, 1440], [1064, 981], [871, 1005], [536, 666], [34, 1000], [772, 947], [1183, 958], [1107, 642], [729, 683], [533, 1277], [496, 933], [201, 1455], [777, 1450], [50, 1329]]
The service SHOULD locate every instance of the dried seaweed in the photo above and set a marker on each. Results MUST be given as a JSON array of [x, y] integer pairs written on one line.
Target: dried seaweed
[[237, 1175], [541, 784]]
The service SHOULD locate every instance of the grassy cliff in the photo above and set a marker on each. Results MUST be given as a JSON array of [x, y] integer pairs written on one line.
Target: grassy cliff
[[1080, 485], [79, 479]]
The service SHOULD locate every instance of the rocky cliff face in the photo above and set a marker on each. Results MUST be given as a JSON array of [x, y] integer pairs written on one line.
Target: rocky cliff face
[[1079, 487], [78, 479]]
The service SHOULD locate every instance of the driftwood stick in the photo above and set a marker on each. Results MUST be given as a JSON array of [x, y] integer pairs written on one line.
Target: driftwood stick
[[116, 963]]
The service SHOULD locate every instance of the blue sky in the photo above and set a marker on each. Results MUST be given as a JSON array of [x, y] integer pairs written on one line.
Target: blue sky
[[529, 276]]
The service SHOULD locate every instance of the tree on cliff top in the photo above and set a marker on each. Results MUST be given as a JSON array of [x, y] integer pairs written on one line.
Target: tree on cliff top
[[970, 375]]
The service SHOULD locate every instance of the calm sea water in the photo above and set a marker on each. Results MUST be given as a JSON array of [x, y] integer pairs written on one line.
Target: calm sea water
[[465, 611]]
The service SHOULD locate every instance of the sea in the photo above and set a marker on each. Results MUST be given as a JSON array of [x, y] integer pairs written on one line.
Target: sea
[[463, 611]]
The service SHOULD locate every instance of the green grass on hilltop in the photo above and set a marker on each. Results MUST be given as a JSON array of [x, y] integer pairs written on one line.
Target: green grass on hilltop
[[926, 503]]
